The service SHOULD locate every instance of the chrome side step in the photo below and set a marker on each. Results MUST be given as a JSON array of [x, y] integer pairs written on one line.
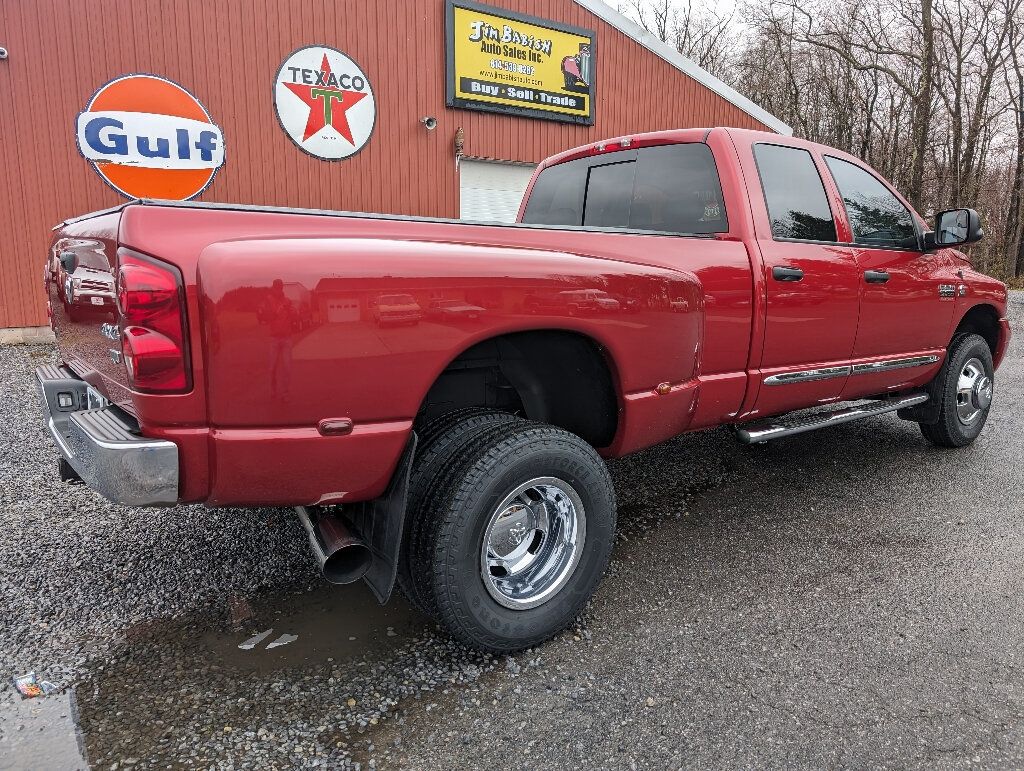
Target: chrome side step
[[780, 426]]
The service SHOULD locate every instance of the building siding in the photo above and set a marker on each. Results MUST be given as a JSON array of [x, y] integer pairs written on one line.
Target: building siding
[[226, 53]]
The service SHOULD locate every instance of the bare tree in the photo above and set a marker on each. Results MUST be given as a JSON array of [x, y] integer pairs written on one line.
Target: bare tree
[[705, 37], [700, 34], [1014, 79], [894, 41], [655, 16]]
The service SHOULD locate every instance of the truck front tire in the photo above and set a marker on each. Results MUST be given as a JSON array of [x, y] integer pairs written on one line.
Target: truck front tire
[[516, 535], [964, 387]]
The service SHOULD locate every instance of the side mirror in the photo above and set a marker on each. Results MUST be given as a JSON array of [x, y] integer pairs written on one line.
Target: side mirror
[[68, 260], [956, 227]]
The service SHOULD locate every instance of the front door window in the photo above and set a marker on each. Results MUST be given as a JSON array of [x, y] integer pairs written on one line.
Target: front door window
[[877, 217]]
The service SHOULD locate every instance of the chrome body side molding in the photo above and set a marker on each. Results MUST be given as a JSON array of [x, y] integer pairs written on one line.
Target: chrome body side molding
[[888, 364], [826, 373], [806, 375]]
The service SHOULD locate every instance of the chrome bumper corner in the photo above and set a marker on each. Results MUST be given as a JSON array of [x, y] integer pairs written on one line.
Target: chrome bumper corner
[[102, 445]]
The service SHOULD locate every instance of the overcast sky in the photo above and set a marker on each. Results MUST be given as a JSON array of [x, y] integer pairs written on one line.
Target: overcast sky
[[722, 7]]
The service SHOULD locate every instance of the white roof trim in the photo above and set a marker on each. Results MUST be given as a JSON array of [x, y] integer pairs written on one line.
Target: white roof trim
[[633, 30]]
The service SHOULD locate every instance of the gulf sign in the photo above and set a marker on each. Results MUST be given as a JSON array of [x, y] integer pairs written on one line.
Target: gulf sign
[[148, 137]]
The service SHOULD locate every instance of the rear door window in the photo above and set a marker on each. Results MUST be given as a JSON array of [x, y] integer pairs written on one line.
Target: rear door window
[[793, 191], [665, 189], [877, 216], [677, 190], [609, 195]]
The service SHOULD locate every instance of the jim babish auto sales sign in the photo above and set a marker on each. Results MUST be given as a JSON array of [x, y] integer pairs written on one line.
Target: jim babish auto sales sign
[[502, 61]]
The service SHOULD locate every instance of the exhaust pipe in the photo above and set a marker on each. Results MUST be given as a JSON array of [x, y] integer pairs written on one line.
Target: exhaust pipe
[[343, 557]]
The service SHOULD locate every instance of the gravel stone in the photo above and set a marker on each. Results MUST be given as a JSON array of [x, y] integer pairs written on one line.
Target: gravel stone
[[845, 598]]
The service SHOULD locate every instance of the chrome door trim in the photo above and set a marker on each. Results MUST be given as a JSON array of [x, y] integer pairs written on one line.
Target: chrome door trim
[[827, 373], [807, 375], [890, 364]]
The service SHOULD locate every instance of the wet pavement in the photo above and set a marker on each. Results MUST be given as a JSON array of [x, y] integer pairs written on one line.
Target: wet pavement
[[851, 597], [41, 733]]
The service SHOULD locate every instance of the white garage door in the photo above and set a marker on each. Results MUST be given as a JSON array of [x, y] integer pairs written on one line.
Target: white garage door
[[491, 191]]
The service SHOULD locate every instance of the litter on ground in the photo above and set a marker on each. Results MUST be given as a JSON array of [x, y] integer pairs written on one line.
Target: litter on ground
[[255, 640], [29, 687], [283, 640]]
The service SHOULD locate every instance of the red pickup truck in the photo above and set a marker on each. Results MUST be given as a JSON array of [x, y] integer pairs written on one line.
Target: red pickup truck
[[729, 277]]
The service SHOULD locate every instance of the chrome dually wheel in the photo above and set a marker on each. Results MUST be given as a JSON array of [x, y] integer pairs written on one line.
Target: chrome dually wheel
[[973, 392], [532, 543], [962, 393]]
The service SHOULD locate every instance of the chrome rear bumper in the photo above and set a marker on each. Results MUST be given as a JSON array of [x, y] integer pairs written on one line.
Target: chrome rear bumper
[[103, 446]]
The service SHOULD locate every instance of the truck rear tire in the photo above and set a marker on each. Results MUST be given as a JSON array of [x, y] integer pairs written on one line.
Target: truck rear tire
[[965, 387], [439, 440], [520, 532]]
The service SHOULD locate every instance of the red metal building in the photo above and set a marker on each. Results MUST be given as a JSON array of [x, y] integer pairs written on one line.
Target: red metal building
[[227, 54]]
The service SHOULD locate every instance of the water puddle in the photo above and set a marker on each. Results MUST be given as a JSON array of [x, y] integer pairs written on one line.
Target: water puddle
[[336, 622], [183, 692]]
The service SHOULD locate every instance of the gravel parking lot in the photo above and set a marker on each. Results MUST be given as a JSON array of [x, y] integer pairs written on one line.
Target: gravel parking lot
[[850, 597]]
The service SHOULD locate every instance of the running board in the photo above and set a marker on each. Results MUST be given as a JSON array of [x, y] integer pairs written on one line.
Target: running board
[[775, 428]]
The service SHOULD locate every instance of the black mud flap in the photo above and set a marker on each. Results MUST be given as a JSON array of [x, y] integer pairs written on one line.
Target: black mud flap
[[380, 523], [928, 413]]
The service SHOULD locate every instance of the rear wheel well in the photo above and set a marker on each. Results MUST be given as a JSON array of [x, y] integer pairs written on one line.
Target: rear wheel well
[[981, 320], [551, 376]]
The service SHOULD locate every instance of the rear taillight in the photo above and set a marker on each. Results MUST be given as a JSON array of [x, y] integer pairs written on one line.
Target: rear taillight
[[151, 302]]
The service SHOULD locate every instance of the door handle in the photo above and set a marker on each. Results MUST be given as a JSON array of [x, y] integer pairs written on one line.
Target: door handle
[[786, 273], [876, 276]]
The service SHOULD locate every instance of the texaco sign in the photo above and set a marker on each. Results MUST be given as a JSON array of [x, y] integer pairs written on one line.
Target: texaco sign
[[324, 102]]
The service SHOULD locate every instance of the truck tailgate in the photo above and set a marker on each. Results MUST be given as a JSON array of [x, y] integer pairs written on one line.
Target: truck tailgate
[[80, 277]]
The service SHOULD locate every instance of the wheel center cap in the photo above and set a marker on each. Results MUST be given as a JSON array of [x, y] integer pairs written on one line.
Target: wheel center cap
[[517, 533], [981, 394], [511, 530]]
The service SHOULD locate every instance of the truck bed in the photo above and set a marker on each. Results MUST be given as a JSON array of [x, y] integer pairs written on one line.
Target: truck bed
[[347, 350]]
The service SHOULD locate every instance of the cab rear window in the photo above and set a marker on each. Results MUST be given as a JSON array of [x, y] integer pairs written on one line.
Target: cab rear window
[[667, 189]]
